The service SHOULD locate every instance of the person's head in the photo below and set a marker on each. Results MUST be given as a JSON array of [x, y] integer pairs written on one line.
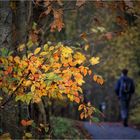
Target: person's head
[[124, 72]]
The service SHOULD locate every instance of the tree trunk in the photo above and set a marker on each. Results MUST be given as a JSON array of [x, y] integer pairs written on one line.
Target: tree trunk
[[7, 115]]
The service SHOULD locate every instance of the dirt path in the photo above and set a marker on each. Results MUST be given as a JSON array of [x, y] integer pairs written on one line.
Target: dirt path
[[111, 131]]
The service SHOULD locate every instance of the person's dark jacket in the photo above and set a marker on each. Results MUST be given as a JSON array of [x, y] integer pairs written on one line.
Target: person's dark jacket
[[118, 88]]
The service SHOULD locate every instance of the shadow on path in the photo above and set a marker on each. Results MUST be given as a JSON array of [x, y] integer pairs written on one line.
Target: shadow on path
[[111, 131]]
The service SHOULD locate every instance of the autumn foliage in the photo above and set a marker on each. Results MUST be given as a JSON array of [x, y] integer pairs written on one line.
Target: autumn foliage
[[55, 71]]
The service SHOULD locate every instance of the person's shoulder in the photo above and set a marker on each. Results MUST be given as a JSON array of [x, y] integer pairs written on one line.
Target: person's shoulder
[[130, 79]]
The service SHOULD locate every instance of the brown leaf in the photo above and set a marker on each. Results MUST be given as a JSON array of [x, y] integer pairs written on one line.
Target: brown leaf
[[80, 2], [46, 12], [60, 2], [34, 37], [58, 20], [84, 36], [46, 3]]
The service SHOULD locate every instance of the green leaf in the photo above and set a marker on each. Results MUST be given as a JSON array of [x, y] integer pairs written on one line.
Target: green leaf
[[4, 89], [95, 119], [28, 135], [30, 44], [33, 125], [29, 97], [46, 129], [34, 26], [52, 76], [4, 52], [10, 53], [24, 98], [18, 97], [48, 82]]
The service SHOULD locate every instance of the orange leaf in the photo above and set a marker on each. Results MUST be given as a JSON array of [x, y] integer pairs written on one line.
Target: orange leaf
[[26, 122], [9, 70], [81, 107], [98, 79], [77, 100], [85, 72], [95, 77], [82, 115], [89, 72], [23, 123], [6, 72], [65, 65]]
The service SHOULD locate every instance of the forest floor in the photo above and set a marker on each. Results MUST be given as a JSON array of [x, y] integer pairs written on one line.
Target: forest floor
[[111, 131], [64, 128]]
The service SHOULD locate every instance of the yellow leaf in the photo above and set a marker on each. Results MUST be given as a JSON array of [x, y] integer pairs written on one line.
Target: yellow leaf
[[37, 84], [81, 107], [71, 97], [32, 88], [42, 125], [46, 47], [101, 29], [32, 69], [21, 47], [86, 47], [89, 104], [30, 43], [37, 50], [29, 135], [30, 54], [80, 58], [45, 68], [36, 99], [51, 48], [43, 53], [80, 89], [79, 78], [17, 59], [66, 51], [94, 60], [27, 83], [94, 30], [80, 81], [24, 63], [5, 136], [10, 58]]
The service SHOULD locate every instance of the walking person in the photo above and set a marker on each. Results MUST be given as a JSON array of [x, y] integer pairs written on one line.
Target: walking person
[[124, 89]]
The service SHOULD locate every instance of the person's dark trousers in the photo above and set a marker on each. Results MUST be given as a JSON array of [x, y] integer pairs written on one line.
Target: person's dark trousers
[[124, 106]]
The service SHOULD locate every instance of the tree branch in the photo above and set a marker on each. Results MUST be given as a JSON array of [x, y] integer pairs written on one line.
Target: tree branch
[[12, 94]]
